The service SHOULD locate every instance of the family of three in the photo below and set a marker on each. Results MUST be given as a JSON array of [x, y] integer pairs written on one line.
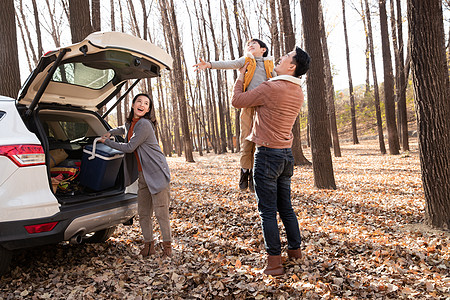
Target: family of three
[[270, 97]]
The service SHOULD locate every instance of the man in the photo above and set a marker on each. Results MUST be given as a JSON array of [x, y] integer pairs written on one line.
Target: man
[[277, 103]]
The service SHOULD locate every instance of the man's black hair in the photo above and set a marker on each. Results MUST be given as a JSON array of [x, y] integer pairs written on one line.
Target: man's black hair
[[301, 59], [262, 45]]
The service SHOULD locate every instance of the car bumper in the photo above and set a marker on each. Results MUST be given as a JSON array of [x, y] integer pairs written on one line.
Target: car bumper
[[73, 220]]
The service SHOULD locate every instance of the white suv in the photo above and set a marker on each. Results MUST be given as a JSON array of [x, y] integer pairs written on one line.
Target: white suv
[[57, 111]]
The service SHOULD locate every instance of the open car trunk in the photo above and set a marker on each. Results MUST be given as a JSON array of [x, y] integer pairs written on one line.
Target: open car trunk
[[60, 101], [67, 136]]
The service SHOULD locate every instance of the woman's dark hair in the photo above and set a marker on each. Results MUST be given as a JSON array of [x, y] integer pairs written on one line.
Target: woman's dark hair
[[150, 115], [262, 45], [301, 59]]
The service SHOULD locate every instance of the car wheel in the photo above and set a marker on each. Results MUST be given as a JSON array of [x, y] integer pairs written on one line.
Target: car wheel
[[100, 236], [5, 259]]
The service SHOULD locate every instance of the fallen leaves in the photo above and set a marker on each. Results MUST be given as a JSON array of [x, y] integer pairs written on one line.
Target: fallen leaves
[[362, 240]]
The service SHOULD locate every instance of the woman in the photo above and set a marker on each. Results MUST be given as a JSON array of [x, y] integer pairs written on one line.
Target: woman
[[145, 161]]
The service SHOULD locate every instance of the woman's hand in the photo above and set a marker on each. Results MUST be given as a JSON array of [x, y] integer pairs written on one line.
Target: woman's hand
[[202, 65], [104, 137]]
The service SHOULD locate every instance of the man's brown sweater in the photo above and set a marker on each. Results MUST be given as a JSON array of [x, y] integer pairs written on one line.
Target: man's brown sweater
[[277, 103]]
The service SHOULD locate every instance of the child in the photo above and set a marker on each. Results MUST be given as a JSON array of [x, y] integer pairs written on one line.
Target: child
[[260, 68]]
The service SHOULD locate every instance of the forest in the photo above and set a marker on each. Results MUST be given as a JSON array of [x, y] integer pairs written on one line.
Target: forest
[[371, 186]]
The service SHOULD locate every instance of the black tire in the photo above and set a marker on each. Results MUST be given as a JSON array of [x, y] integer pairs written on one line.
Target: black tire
[[5, 260], [100, 236]]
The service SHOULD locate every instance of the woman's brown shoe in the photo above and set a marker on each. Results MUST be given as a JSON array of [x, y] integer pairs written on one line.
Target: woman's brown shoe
[[149, 249], [167, 249]]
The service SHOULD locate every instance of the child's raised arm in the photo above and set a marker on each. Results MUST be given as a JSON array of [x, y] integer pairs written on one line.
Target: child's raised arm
[[202, 65]]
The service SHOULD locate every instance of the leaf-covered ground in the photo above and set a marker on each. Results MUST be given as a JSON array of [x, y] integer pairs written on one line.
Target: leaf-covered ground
[[362, 240]]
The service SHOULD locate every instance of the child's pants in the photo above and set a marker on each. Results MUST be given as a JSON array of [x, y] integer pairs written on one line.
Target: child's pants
[[247, 147]]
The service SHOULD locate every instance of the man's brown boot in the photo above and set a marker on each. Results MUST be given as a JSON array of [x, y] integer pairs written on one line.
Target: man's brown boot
[[274, 266], [294, 254], [149, 249], [167, 249]]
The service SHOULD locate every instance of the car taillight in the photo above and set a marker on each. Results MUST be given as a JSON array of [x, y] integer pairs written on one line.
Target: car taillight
[[45, 227], [24, 155]]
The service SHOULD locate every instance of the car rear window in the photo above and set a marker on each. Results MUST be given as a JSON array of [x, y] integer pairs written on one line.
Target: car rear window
[[2, 114], [81, 75]]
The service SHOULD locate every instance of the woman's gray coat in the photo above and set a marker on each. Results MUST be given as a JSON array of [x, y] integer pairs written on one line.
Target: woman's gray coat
[[154, 165]]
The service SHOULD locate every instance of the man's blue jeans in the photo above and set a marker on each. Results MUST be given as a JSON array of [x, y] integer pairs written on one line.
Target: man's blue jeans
[[272, 172]]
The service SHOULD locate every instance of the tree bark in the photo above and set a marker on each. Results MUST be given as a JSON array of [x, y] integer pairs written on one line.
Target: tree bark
[[56, 36], [173, 95], [179, 82], [389, 101], [363, 16], [221, 113], [350, 81], [274, 30], [289, 37], [329, 88], [240, 53], [24, 41], [402, 82], [432, 93], [24, 26], [145, 17], [9, 61], [80, 22], [40, 50], [96, 15], [232, 57], [375, 82], [134, 18], [317, 107]]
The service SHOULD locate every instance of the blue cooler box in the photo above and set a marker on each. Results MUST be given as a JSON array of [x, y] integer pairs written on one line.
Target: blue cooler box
[[99, 170]]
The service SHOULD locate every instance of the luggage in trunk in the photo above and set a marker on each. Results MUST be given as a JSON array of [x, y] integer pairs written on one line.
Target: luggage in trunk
[[100, 166]]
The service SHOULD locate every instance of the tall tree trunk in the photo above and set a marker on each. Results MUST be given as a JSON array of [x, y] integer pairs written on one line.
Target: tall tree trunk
[[375, 82], [119, 112], [402, 82], [113, 15], [226, 101], [367, 52], [24, 41], [211, 93], [96, 16], [289, 37], [222, 134], [274, 30], [134, 18], [53, 31], [179, 82], [167, 144], [9, 60], [145, 17], [232, 57], [317, 107], [389, 102], [431, 93], [27, 31], [350, 81], [282, 28], [240, 53], [209, 118], [80, 22], [37, 23], [329, 87]]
